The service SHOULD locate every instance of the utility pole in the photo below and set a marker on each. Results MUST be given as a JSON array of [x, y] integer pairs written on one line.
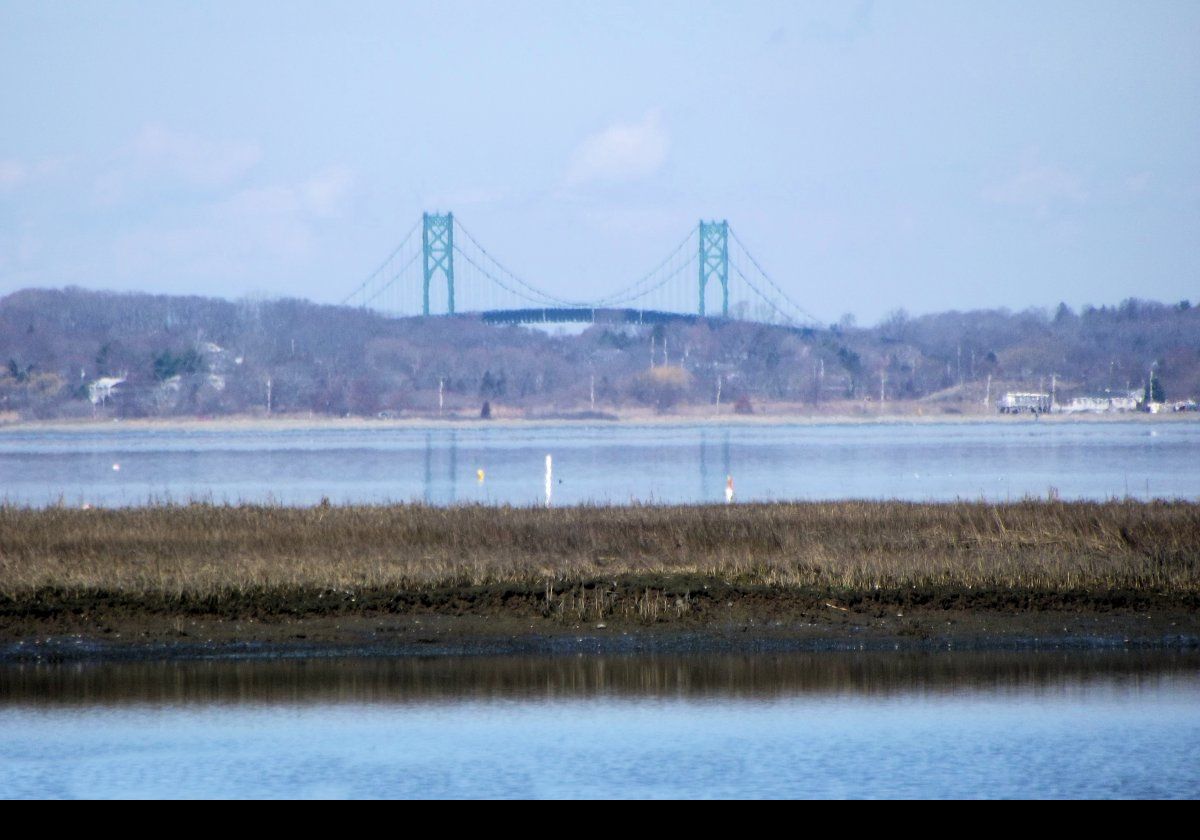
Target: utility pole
[[593, 392], [268, 395], [441, 393], [987, 396], [719, 380]]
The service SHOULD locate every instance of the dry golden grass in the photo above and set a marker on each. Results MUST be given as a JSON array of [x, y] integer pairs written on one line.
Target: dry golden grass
[[208, 551]]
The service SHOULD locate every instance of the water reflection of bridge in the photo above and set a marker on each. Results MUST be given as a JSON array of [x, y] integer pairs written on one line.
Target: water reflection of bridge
[[706, 484], [441, 485], [452, 468]]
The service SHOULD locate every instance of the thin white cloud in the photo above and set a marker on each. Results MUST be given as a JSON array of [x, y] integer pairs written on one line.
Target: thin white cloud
[[15, 174], [325, 193], [161, 158], [840, 22], [621, 152], [321, 196], [19, 252], [197, 160], [1038, 186], [253, 229], [12, 173], [173, 206]]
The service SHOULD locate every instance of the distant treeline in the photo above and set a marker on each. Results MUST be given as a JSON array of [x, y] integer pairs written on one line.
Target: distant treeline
[[77, 353]]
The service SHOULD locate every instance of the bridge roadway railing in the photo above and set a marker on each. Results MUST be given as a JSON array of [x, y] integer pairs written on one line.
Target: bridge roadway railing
[[579, 315]]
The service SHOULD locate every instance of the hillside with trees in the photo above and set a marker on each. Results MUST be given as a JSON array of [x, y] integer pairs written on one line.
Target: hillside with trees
[[75, 353]]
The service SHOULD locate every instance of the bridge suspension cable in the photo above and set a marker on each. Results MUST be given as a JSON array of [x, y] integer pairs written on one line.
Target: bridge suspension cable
[[364, 284], [546, 297], [737, 269], [398, 275], [644, 293], [797, 307], [526, 297], [627, 293]]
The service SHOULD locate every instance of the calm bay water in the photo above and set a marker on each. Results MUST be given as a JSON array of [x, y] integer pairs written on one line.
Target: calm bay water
[[605, 463], [797, 725], [820, 725]]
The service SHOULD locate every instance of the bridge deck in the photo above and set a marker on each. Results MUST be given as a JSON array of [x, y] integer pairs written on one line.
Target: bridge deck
[[575, 315]]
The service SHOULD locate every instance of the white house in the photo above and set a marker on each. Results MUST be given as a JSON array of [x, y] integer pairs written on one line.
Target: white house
[[100, 390], [1017, 403]]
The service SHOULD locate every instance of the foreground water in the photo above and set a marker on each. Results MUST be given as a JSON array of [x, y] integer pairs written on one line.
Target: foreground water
[[605, 463], [800, 725]]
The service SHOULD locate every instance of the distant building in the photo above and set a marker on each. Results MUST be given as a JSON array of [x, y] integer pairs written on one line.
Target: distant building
[[1103, 404], [103, 389], [217, 359], [1021, 403]]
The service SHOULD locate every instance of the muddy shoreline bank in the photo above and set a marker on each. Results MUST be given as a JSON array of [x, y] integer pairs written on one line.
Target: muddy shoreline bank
[[759, 622]]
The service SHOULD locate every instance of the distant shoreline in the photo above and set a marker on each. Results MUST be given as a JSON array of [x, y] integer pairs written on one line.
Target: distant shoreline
[[236, 423]]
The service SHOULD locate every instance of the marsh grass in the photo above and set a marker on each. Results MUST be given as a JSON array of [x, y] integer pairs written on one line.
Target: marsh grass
[[185, 553]]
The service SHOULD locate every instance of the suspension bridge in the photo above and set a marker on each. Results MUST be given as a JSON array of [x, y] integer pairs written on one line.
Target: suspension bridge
[[440, 268]]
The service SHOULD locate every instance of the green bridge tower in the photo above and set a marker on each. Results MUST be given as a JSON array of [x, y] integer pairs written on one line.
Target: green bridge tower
[[714, 260], [437, 244]]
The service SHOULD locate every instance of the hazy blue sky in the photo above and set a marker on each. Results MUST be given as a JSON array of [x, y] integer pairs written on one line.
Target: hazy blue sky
[[873, 155]]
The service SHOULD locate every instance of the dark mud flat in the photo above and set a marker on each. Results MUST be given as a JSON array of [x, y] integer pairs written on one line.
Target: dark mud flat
[[755, 626]]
